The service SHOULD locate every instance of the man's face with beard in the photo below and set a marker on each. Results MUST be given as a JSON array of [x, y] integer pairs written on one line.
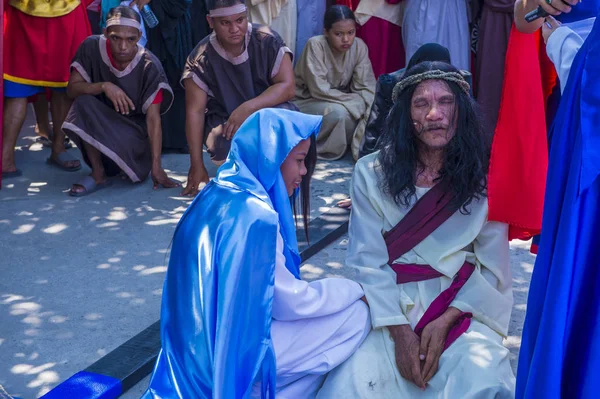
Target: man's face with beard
[[432, 110]]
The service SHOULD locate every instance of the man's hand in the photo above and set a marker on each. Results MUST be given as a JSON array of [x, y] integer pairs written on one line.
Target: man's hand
[[548, 28], [407, 353], [237, 117], [160, 178], [196, 175], [433, 340], [121, 102], [139, 3], [557, 7]]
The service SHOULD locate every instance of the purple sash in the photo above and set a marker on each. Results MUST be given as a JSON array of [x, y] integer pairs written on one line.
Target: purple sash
[[429, 213]]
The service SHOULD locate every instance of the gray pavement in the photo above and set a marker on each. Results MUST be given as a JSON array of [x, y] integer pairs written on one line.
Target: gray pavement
[[80, 276]]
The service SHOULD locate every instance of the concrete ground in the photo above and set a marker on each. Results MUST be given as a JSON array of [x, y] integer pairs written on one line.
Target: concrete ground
[[80, 276]]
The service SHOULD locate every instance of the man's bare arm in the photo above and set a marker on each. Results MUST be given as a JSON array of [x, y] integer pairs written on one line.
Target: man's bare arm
[[195, 107], [523, 7], [282, 90], [78, 86], [159, 177], [155, 133]]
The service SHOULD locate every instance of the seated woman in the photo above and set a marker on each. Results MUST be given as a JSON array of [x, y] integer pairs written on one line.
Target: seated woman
[[237, 321], [334, 78]]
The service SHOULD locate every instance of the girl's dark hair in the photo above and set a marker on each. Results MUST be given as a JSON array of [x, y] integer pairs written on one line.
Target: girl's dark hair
[[125, 12], [214, 4], [466, 158], [337, 13], [302, 201]]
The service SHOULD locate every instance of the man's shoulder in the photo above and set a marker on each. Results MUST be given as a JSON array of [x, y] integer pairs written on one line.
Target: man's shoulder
[[263, 33], [200, 49], [367, 165], [91, 42]]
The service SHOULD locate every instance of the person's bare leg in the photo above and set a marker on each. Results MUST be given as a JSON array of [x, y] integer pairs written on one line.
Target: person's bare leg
[[59, 107], [40, 108], [95, 158], [14, 116]]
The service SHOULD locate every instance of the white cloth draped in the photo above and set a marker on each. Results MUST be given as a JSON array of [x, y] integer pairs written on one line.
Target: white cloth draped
[[316, 326], [476, 365]]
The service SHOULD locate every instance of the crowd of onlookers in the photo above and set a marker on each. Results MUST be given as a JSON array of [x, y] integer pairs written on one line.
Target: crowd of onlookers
[[338, 62]]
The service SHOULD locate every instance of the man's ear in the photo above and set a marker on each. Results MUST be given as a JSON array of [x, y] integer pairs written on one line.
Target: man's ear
[[104, 33], [210, 22]]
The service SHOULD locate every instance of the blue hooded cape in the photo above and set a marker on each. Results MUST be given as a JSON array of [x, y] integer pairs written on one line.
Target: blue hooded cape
[[218, 292], [560, 350]]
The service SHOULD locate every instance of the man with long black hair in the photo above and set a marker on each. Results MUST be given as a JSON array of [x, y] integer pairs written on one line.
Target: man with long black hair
[[435, 272]]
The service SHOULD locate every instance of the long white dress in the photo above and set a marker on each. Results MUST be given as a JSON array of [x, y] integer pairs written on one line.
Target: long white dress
[[316, 326], [438, 21], [476, 365]]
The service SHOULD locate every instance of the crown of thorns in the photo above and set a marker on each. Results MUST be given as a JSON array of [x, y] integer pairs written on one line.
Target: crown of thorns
[[429, 75]]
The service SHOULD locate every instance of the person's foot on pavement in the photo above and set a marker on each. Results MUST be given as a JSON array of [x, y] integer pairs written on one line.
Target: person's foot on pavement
[[65, 161], [346, 203]]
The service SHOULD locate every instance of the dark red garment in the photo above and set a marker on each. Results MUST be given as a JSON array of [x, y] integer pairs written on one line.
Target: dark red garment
[[159, 96], [429, 213], [519, 158], [384, 40]]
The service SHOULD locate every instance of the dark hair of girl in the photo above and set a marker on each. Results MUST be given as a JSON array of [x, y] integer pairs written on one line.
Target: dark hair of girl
[[302, 201], [335, 14], [466, 158], [125, 12]]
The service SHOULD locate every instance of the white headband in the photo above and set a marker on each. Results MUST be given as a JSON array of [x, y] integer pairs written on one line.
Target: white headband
[[227, 11], [123, 21]]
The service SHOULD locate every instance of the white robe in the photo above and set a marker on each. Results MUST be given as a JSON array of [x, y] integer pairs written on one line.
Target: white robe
[[563, 45], [279, 15], [476, 365], [438, 21], [316, 326]]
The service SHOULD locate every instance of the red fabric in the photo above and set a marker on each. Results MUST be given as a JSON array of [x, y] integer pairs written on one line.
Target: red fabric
[[159, 96], [429, 213], [384, 40], [411, 273], [519, 158], [39, 50]]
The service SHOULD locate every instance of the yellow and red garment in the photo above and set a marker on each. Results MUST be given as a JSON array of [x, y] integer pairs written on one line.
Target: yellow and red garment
[[41, 38], [519, 159]]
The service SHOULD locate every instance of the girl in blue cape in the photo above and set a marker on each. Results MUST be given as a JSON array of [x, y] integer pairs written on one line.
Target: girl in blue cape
[[236, 319]]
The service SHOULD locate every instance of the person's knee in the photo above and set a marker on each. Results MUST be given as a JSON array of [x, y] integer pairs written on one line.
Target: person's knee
[[336, 112], [358, 323]]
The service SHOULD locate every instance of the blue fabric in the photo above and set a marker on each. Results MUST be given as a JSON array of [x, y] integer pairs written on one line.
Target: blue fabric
[[87, 385], [218, 292], [20, 90], [584, 10], [560, 350], [310, 22]]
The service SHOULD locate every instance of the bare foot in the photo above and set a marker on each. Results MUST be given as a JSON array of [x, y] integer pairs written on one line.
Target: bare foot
[[346, 204], [67, 164]]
